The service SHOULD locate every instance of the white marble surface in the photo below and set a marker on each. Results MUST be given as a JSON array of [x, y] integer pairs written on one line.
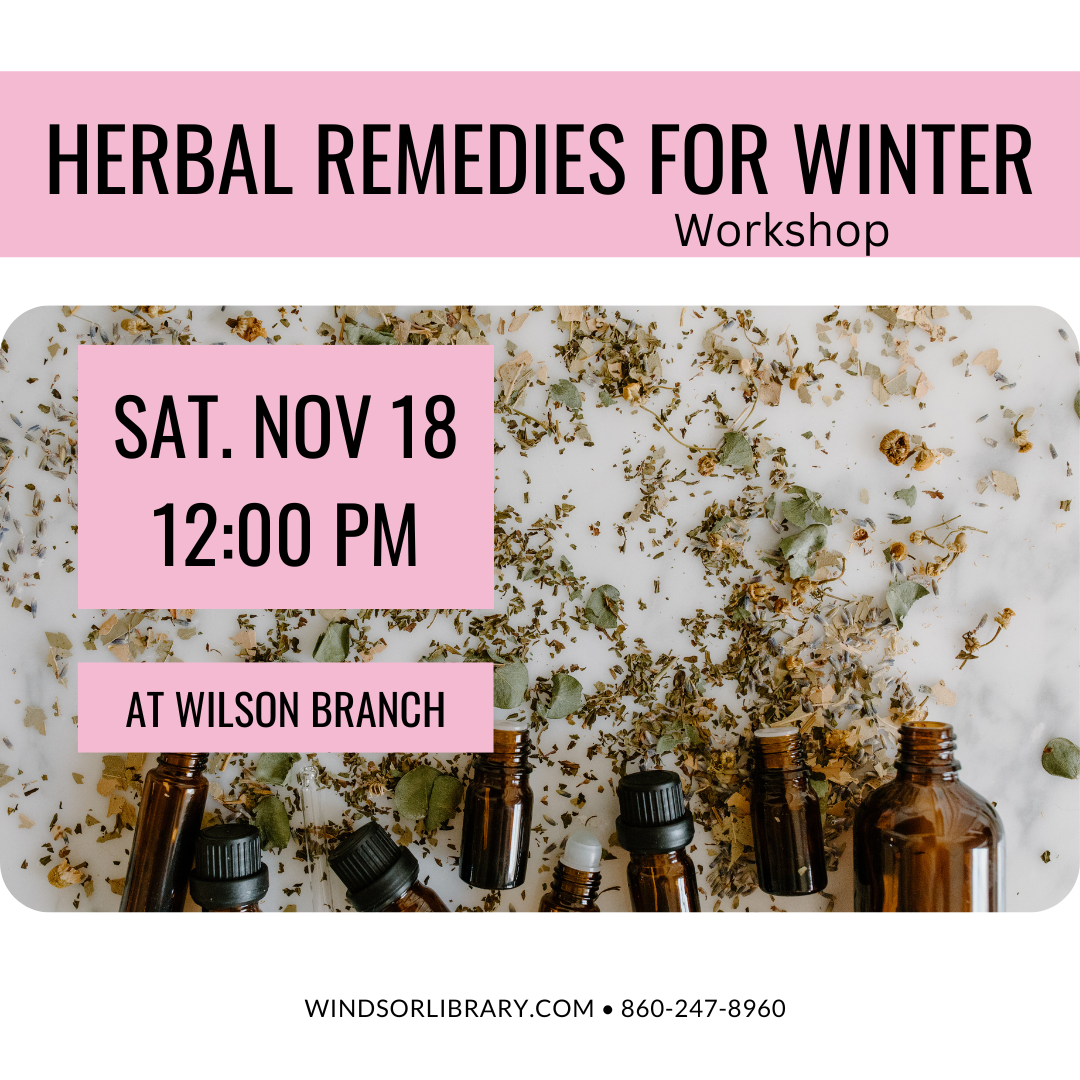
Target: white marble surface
[[1022, 692]]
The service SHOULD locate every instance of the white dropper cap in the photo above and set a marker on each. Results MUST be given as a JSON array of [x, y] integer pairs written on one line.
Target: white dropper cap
[[582, 852]]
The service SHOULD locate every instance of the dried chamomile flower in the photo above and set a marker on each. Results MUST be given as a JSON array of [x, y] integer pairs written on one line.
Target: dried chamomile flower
[[800, 591], [896, 446], [918, 538], [1004, 618], [924, 458], [958, 544], [896, 551], [706, 464], [758, 591]]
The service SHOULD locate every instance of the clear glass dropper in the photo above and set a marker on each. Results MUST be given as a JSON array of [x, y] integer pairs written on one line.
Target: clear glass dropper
[[315, 840]]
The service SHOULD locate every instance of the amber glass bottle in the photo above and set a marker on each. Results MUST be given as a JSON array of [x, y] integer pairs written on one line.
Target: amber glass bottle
[[498, 812], [381, 875], [576, 882], [924, 841], [163, 848], [654, 827], [229, 874], [786, 817]]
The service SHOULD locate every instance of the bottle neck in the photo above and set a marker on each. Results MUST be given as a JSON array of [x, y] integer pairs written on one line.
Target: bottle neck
[[510, 750], [779, 753], [575, 888], [926, 749], [659, 858], [183, 764]]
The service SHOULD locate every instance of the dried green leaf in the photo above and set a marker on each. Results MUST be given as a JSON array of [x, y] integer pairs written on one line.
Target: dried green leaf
[[799, 549], [736, 452], [274, 768], [511, 682], [355, 334], [1061, 757], [446, 795], [602, 607], [805, 508], [272, 821], [565, 393], [565, 696], [413, 792], [333, 644], [906, 495], [899, 597]]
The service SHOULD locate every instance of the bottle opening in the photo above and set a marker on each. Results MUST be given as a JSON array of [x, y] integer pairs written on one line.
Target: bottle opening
[[776, 733], [927, 743]]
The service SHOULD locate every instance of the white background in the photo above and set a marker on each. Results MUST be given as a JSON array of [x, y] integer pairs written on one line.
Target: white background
[[933, 994]]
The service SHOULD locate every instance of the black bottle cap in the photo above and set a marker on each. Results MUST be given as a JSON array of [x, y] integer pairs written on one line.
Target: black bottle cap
[[229, 870], [374, 868], [654, 817]]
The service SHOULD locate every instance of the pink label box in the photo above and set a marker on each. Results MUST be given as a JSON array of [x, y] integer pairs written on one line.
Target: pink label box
[[315, 708], [283, 477]]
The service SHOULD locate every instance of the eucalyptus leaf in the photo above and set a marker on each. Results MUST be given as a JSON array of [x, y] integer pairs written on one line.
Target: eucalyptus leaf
[[1076, 403], [899, 596], [274, 768], [333, 644], [736, 453], [565, 393], [511, 682], [446, 795], [665, 744], [413, 792], [565, 696], [1061, 757], [821, 790], [906, 495], [272, 821], [799, 549], [605, 398], [806, 507], [598, 611]]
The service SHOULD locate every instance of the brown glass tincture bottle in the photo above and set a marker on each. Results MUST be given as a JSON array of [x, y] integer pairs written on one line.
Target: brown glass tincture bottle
[[381, 875], [576, 882], [786, 816], [163, 848], [229, 874], [655, 827], [498, 812], [925, 841]]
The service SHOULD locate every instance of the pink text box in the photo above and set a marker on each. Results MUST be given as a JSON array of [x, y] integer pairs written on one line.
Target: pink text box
[[122, 544], [105, 703], [535, 220]]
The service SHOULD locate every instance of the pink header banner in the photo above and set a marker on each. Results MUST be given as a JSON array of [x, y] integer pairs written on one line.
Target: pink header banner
[[303, 707], [294, 476], [778, 164]]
